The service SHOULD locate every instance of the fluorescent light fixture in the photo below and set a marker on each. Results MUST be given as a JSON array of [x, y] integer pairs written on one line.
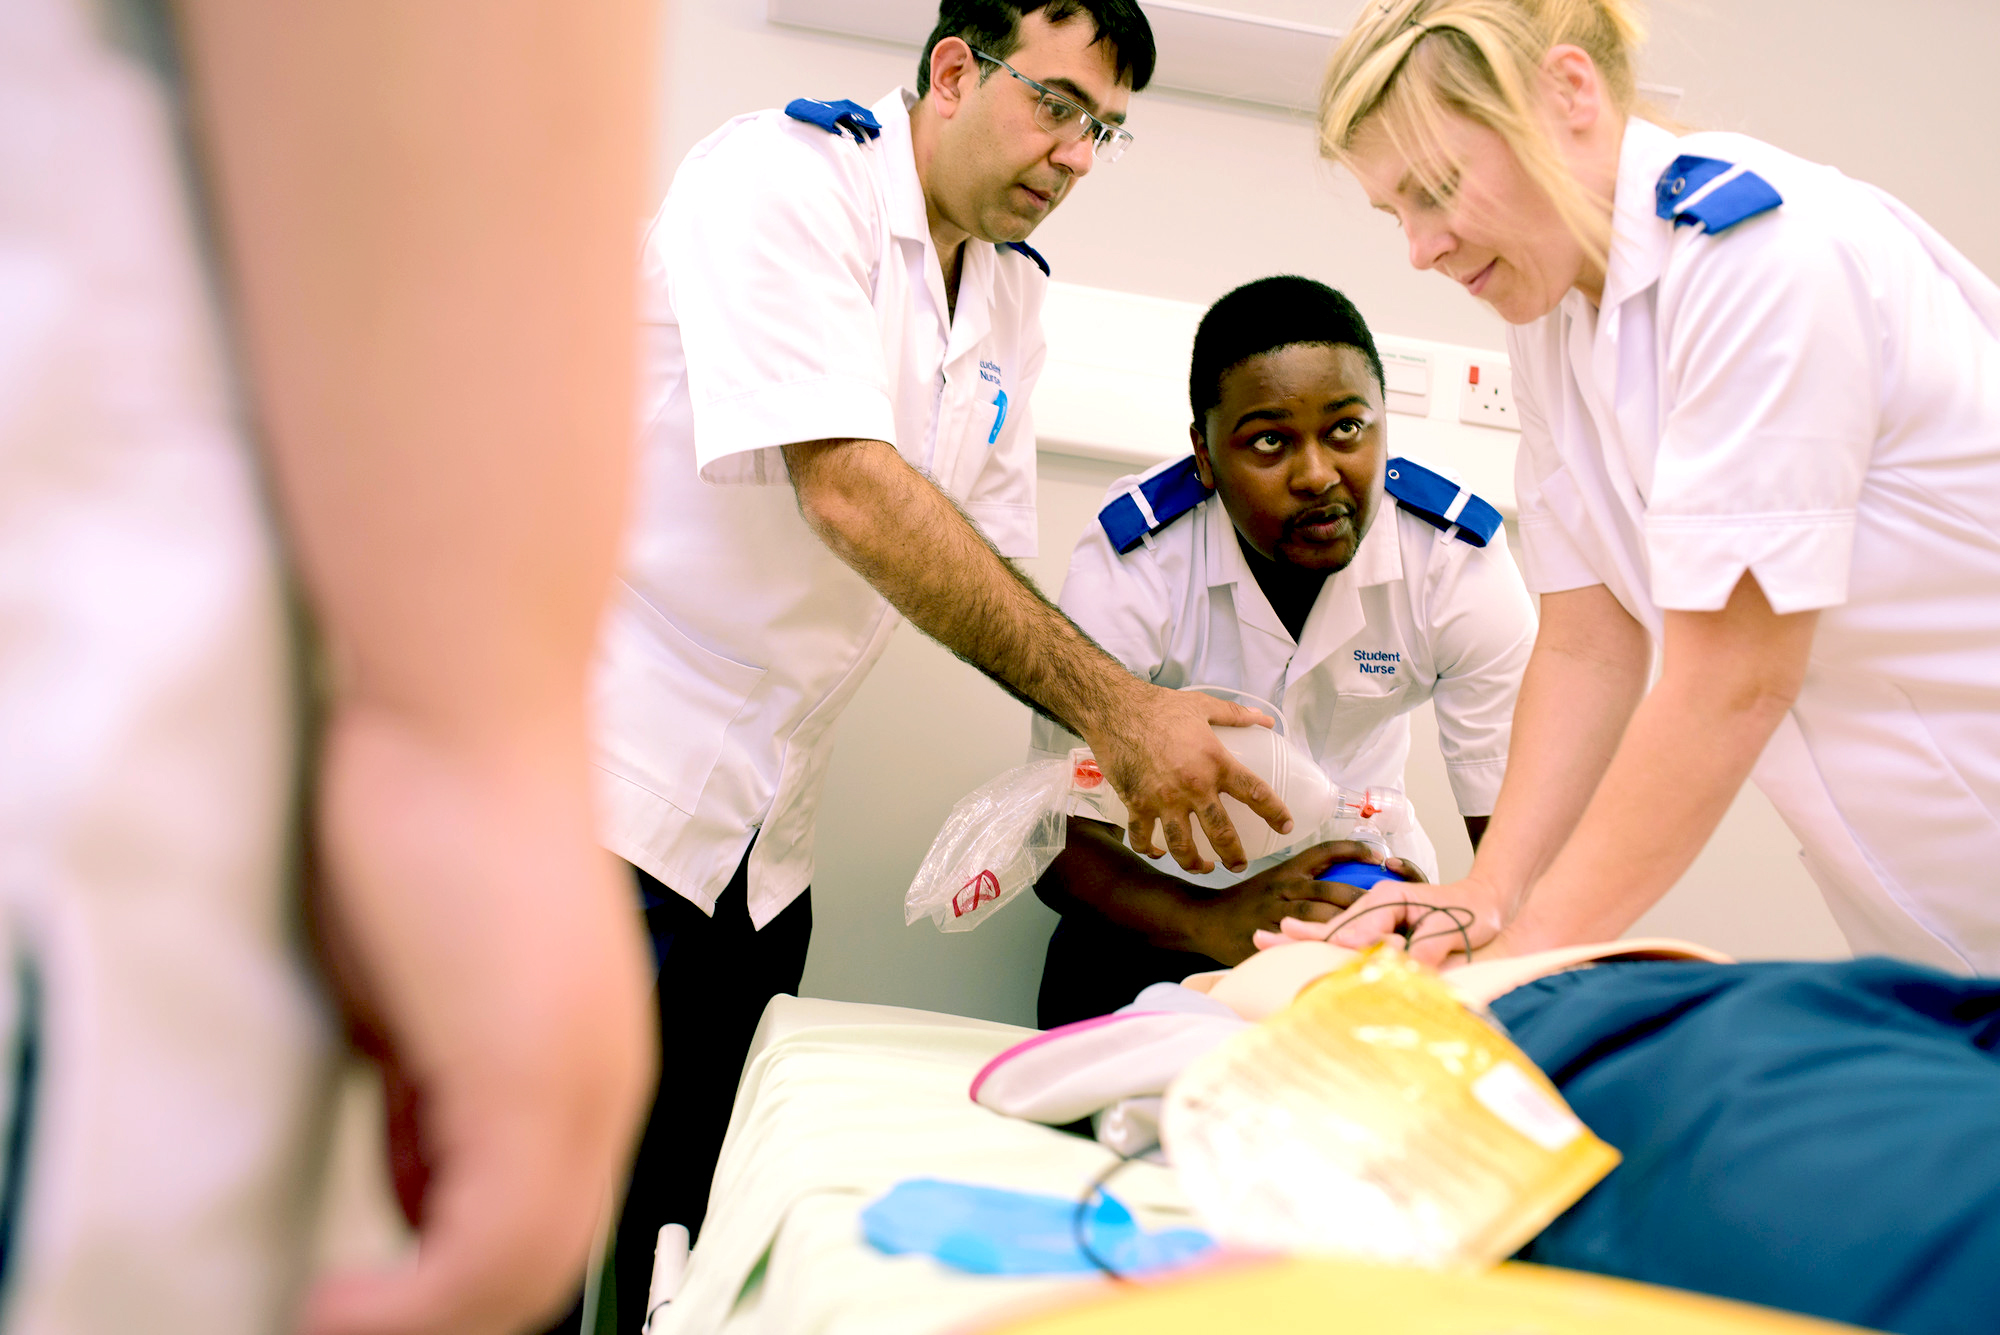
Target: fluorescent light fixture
[[1218, 53]]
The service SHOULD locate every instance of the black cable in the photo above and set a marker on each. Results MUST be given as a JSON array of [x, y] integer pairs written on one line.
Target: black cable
[[1461, 927], [1080, 1217]]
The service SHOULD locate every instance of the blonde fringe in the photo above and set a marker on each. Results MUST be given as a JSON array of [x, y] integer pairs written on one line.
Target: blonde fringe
[[1407, 65]]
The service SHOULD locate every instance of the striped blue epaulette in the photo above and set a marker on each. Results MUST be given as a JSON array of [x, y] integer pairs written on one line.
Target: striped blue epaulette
[[1714, 193], [1161, 495], [1441, 502], [836, 117]]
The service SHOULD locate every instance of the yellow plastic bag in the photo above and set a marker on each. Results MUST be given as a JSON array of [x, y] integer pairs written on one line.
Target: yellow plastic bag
[[1377, 1117]]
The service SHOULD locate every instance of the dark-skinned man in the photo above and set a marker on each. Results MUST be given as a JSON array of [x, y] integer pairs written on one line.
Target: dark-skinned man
[[1290, 557]]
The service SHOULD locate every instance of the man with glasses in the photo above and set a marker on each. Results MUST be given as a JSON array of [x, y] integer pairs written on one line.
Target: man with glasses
[[1062, 115], [842, 334]]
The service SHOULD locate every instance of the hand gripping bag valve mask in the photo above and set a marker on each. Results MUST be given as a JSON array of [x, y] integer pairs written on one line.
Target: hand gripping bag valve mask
[[1003, 835]]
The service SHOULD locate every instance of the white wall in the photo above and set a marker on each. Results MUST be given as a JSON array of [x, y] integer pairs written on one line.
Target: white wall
[[1211, 197]]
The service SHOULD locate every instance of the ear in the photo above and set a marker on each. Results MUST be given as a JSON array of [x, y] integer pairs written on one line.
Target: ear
[[1203, 469], [1574, 85], [954, 72]]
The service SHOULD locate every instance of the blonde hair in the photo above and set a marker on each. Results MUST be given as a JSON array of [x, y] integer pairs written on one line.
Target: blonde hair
[[1407, 64]]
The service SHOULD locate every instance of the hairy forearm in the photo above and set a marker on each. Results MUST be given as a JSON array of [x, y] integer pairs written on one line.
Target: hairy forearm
[[1158, 748], [1098, 874], [1583, 681], [906, 537]]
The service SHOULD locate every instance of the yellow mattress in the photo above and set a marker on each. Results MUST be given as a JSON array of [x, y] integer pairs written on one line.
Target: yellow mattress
[[1303, 1295]]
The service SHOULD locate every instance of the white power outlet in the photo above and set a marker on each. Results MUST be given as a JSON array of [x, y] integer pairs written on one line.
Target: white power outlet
[[1486, 396]]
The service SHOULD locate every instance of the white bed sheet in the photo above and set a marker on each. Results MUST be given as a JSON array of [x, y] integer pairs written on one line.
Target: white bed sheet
[[839, 1102]]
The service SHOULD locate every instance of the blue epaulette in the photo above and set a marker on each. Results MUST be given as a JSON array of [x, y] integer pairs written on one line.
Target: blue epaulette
[[834, 117], [1441, 502], [1680, 195], [1161, 495], [1031, 253]]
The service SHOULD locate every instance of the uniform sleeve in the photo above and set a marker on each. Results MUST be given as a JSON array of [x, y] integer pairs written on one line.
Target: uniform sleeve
[[1002, 499], [1550, 558], [767, 247], [1769, 403], [1120, 602], [1482, 626]]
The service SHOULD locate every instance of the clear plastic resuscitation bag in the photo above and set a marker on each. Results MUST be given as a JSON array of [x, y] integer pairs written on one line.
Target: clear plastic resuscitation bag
[[996, 843], [1377, 1117], [1003, 835]]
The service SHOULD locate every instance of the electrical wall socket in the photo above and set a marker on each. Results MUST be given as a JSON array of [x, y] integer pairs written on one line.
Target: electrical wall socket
[[1486, 396]]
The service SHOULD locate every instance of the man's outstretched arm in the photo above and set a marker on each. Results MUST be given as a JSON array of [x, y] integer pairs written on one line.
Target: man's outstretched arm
[[1097, 874], [427, 209], [908, 539]]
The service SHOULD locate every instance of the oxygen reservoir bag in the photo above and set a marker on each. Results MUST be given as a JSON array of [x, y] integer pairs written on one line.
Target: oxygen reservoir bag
[[1003, 835]]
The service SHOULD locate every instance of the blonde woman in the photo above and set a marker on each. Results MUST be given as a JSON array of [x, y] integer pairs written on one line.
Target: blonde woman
[[1760, 405]]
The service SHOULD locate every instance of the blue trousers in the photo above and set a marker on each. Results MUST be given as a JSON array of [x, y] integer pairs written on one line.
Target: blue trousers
[[1818, 1137]]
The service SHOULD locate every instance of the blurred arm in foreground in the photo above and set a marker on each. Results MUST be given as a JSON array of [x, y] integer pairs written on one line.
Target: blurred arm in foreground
[[428, 213]]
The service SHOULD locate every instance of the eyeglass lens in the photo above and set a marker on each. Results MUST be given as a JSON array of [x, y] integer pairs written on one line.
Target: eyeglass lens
[[1059, 116], [1070, 122]]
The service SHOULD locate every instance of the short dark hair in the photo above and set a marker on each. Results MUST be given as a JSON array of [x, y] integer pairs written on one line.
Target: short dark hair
[[994, 26], [1268, 314]]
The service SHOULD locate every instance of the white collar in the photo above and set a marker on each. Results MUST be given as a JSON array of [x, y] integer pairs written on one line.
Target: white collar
[[1640, 241], [909, 220], [907, 216]]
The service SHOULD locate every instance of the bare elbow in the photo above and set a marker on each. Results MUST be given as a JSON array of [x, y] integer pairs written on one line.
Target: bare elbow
[[1742, 694], [1767, 695], [824, 476], [1746, 662]]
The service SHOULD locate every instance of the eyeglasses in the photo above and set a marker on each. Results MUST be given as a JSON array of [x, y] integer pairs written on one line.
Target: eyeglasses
[[1063, 118]]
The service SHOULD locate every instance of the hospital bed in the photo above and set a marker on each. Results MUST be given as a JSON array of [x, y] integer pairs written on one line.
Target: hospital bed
[[840, 1101]]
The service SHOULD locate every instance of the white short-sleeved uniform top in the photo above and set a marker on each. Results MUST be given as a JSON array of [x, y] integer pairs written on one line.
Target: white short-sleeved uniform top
[[790, 292], [1415, 616], [1812, 396]]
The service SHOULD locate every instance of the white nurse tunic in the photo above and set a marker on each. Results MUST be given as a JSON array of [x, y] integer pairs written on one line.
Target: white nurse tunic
[[790, 291], [1417, 615], [1811, 395]]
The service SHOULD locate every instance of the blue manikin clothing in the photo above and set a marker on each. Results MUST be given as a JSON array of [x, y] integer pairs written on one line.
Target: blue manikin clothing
[[1820, 1137]]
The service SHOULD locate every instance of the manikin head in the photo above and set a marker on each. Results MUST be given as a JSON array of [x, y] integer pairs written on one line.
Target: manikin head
[[1286, 388], [1491, 130], [995, 155]]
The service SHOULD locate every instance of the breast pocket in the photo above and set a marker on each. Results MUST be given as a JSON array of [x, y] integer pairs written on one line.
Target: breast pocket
[[1371, 689], [1368, 678], [664, 702]]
